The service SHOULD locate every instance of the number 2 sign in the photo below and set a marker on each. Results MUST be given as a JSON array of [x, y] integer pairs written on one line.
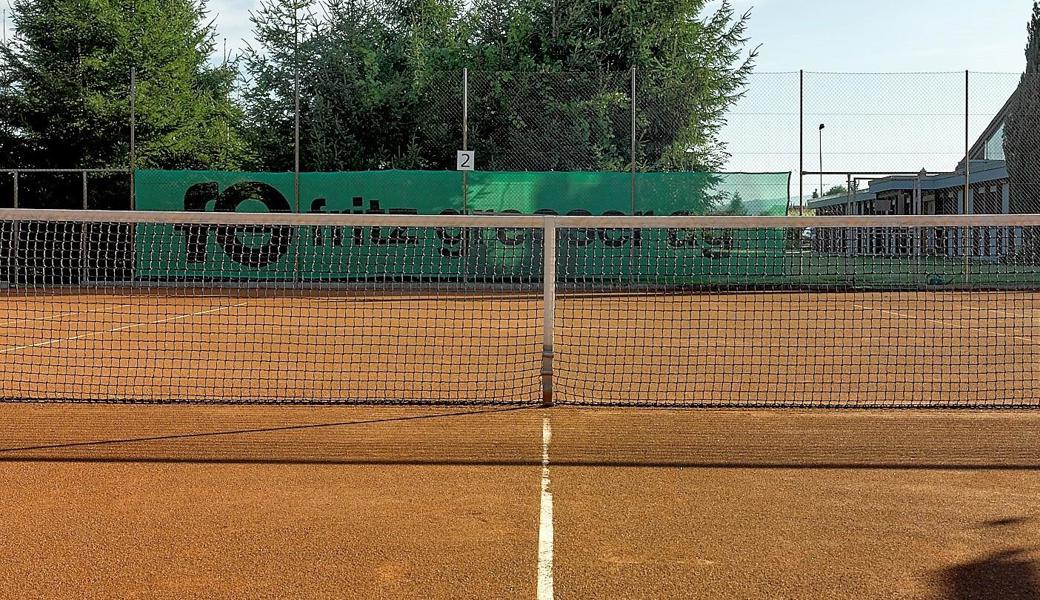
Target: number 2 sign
[[464, 160]]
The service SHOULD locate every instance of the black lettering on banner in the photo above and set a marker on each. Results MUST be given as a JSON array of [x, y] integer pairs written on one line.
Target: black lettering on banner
[[453, 245], [400, 235], [717, 243], [682, 238], [278, 237], [358, 234], [604, 234], [397, 235], [318, 207], [196, 237], [502, 233], [580, 237]]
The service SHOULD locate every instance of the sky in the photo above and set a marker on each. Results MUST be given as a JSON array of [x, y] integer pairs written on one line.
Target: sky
[[889, 35], [858, 56]]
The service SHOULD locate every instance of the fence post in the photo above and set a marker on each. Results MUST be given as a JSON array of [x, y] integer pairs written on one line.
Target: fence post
[[632, 151], [465, 137], [967, 170], [15, 189], [801, 142], [133, 136], [296, 111], [967, 138], [549, 306]]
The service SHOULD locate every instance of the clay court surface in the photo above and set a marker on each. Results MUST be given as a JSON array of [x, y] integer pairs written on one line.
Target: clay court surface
[[264, 501], [934, 348]]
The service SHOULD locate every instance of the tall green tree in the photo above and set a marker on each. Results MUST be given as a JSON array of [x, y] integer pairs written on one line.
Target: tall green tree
[[65, 86], [368, 70], [280, 63], [1022, 128], [549, 83], [691, 68]]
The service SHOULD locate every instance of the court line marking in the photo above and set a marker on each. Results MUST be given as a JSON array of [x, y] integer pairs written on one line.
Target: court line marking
[[947, 324], [64, 314], [123, 328], [1030, 313], [545, 521]]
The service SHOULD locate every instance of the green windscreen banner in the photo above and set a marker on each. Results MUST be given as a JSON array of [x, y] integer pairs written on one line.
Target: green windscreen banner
[[205, 253]]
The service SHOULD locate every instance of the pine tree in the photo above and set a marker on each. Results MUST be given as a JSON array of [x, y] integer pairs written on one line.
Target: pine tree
[[736, 207], [549, 83], [65, 93], [285, 32], [1022, 129]]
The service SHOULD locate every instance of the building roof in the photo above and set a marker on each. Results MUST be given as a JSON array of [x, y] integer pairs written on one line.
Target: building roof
[[981, 172]]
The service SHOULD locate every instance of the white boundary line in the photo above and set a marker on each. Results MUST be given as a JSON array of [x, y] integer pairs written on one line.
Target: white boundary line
[[946, 323], [111, 308], [123, 328], [545, 521], [1027, 314]]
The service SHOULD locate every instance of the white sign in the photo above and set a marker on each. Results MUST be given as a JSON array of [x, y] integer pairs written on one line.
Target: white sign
[[464, 160]]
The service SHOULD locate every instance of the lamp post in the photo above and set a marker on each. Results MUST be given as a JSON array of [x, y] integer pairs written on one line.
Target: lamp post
[[822, 126]]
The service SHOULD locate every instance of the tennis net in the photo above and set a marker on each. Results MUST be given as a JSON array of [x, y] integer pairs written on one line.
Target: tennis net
[[932, 311]]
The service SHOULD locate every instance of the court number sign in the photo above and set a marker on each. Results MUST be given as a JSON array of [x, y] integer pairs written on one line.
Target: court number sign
[[465, 160]]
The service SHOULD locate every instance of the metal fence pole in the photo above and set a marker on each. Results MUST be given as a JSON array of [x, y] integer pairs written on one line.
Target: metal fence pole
[[632, 151], [967, 170], [465, 137], [133, 137], [15, 189], [801, 143], [967, 138], [296, 112]]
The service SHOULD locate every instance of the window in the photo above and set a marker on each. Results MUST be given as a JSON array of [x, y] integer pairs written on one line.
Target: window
[[995, 146]]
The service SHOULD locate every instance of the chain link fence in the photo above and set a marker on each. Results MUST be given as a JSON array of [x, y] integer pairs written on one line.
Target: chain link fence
[[838, 134]]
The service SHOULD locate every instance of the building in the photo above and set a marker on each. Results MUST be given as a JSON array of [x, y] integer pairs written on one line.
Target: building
[[928, 194]]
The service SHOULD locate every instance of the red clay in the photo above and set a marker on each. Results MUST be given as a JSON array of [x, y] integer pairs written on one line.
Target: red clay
[[822, 349], [231, 501]]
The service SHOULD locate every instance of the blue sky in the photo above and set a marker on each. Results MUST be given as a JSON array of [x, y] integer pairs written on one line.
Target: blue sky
[[889, 35], [885, 122]]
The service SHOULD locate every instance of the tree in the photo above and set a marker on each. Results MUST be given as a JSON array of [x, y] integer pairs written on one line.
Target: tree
[[65, 97], [1022, 128], [549, 82], [690, 70], [366, 69], [285, 35], [735, 207]]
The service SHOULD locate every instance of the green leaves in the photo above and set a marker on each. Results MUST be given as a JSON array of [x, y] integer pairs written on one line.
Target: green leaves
[[65, 92], [549, 86]]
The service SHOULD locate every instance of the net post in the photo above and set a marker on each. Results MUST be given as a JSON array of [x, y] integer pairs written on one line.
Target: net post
[[549, 306]]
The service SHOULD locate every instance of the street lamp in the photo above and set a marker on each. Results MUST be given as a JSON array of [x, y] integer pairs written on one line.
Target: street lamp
[[821, 159]]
